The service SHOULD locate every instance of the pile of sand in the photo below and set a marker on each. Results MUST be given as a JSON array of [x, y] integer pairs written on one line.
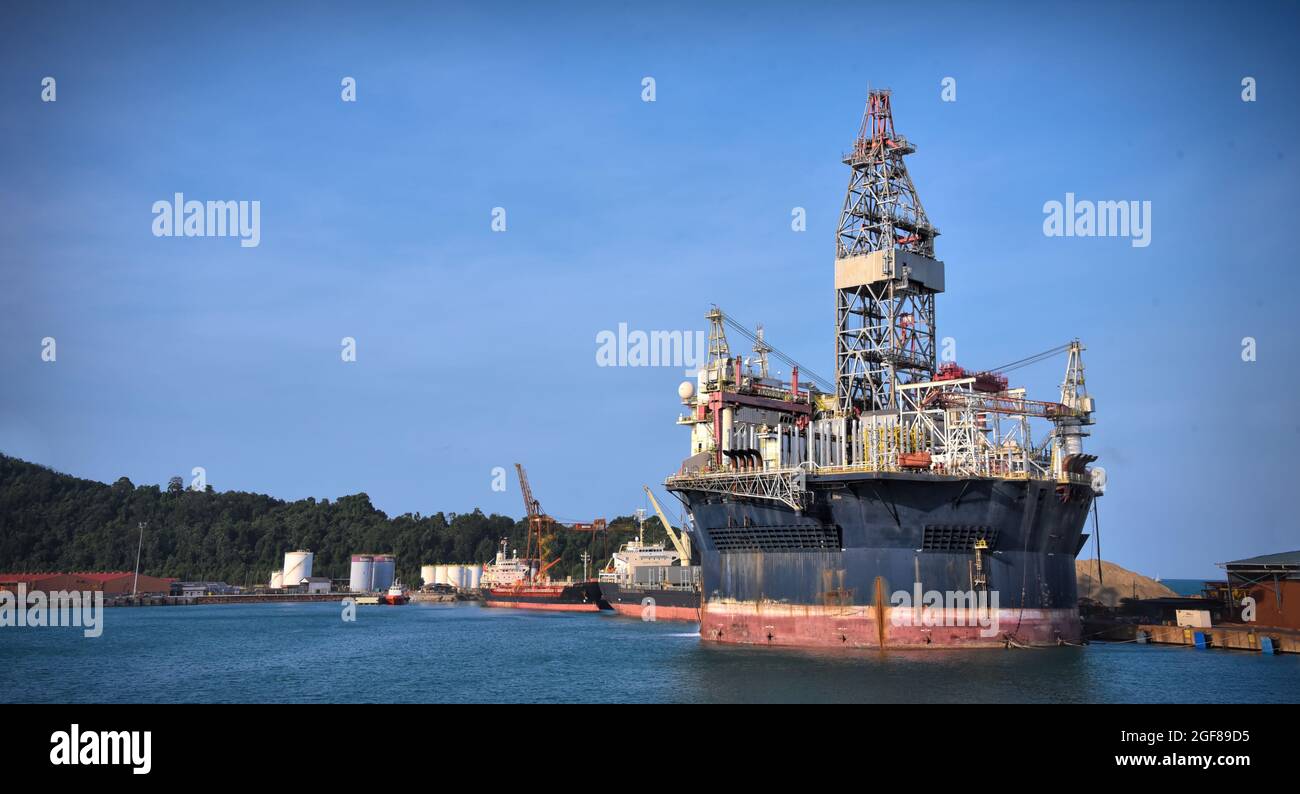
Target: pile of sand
[[1118, 583]]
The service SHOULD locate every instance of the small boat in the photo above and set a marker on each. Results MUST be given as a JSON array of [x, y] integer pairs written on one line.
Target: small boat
[[396, 595]]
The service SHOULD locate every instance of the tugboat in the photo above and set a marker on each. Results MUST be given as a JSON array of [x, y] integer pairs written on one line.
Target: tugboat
[[396, 595]]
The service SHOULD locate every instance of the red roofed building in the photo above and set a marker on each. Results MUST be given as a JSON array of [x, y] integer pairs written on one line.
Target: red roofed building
[[1273, 580], [112, 583]]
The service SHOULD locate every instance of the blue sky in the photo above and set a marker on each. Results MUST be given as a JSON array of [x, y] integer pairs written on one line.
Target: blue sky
[[477, 349]]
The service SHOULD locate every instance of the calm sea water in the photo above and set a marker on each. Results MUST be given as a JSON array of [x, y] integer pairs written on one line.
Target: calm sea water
[[467, 653]]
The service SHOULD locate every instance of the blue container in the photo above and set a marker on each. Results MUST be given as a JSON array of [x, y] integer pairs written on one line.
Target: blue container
[[1201, 639], [1266, 645]]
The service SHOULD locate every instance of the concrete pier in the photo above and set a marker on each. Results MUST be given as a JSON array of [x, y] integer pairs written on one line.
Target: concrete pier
[[1227, 637]]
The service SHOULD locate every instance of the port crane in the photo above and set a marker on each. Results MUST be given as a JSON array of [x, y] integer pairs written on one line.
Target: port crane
[[539, 523], [680, 542]]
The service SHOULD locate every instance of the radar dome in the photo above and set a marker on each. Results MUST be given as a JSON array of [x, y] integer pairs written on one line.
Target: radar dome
[[687, 390]]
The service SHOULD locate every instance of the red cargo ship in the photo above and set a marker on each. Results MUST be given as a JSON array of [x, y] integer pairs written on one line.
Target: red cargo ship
[[517, 583], [522, 583]]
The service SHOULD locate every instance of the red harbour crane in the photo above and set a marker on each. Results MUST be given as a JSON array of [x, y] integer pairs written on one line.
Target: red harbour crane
[[540, 524]]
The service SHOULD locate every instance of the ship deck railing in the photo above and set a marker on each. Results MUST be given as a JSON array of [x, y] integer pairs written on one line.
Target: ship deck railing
[[785, 485], [783, 482]]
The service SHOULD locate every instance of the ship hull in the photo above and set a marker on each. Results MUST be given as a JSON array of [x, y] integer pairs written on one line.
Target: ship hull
[[652, 604], [864, 562], [580, 597]]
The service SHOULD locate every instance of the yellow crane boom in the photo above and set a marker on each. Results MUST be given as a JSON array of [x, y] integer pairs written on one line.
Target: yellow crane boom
[[681, 542]]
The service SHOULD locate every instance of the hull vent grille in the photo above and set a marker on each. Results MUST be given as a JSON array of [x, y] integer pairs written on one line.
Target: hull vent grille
[[777, 537], [957, 537]]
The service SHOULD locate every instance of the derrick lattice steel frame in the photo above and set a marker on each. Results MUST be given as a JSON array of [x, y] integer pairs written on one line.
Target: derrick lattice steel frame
[[885, 330]]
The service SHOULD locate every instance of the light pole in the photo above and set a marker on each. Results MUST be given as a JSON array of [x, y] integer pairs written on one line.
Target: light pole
[[135, 584]]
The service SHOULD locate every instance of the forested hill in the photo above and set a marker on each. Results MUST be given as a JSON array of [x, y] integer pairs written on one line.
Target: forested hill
[[51, 521]]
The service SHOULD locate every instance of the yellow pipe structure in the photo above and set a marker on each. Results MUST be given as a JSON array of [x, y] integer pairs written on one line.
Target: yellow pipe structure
[[682, 543]]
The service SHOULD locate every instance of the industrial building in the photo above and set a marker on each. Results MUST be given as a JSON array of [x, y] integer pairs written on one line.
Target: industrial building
[[317, 584], [110, 583], [193, 589], [1273, 580]]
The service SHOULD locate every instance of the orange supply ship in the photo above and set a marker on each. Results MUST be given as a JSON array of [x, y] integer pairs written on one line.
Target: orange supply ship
[[396, 595]]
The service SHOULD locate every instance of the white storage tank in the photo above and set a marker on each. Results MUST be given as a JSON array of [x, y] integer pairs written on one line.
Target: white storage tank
[[297, 566], [277, 580], [427, 574], [385, 570], [440, 574], [475, 577], [362, 573], [457, 575]]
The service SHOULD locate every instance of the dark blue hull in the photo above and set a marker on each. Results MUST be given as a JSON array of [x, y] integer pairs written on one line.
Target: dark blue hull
[[862, 538]]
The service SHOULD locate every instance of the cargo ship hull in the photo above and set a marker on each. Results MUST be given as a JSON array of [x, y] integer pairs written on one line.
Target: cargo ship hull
[[579, 597], [651, 603], [859, 565]]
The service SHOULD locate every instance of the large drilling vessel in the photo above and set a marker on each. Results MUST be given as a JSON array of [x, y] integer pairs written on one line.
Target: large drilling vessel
[[906, 504]]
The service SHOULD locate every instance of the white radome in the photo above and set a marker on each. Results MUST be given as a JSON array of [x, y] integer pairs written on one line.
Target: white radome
[[687, 390], [1099, 479]]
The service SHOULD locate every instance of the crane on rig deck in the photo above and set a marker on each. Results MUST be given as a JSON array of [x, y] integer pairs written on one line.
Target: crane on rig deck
[[681, 542]]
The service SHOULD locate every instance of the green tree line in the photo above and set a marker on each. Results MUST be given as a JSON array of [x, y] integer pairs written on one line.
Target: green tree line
[[51, 521]]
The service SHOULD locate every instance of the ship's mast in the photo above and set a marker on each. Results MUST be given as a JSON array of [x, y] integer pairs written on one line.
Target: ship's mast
[[1074, 396], [886, 275], [718, 369], [761, 349]]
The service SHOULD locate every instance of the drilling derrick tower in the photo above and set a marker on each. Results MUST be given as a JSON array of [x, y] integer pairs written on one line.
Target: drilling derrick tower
[[809, 509], [886, 276]]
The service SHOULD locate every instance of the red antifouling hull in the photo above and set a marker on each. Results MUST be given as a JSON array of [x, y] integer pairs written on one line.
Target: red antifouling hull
[[661, 612], [543, 605], [870, 627]]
